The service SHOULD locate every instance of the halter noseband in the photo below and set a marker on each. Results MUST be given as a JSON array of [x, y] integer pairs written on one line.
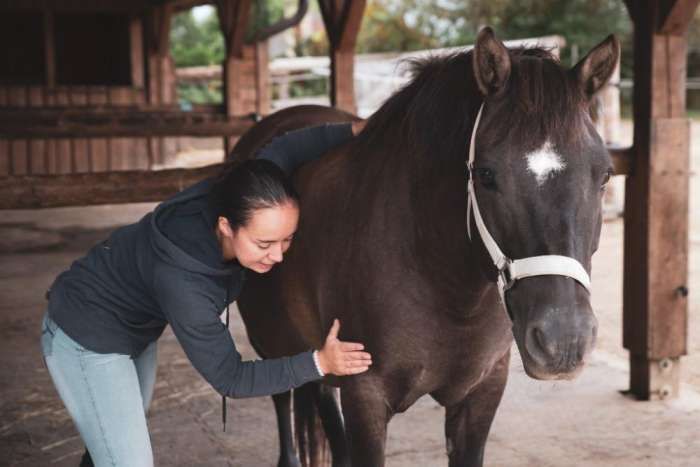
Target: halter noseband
[[509, 270]]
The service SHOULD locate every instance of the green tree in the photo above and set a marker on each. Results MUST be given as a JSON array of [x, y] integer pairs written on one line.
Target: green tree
[[385, 29], [419, 23], [201, 43], [194, 43]]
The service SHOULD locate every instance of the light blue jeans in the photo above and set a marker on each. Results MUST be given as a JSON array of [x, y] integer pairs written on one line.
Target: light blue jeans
[[107, 395]]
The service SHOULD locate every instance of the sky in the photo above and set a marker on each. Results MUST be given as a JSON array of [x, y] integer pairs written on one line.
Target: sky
[[201, 12]]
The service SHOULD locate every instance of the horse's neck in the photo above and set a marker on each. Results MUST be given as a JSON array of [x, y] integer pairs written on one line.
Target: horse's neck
[[430, 217]]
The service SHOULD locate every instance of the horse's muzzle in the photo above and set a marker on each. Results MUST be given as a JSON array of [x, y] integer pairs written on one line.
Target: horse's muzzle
[[557, 343]]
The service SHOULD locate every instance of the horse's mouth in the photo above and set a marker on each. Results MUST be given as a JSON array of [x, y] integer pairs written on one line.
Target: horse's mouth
[[568, 371], [555, 341], [566, 363]]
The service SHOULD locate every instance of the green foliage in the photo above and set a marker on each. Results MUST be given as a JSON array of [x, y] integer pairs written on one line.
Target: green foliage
[[190, 93], [265, 13], [201, 43], [401, 25], [194, 43], [583, 23], [385, 29]]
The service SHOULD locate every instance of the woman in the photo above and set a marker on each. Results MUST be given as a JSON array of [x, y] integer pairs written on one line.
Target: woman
[[181, 265]]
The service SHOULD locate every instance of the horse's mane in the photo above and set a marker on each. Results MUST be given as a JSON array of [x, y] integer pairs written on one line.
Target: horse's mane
[[433, 113]]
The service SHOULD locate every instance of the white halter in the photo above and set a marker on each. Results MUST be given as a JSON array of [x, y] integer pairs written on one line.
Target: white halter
[[510, 270]]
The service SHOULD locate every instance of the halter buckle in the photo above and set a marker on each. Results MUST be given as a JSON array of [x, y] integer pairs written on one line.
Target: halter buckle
[[504, 275]]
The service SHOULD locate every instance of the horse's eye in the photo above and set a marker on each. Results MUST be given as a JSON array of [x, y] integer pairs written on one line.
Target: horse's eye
[[486, 177], [606, 178]]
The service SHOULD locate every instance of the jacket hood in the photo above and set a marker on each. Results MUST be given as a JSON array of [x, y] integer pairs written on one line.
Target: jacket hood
[[169, 251]]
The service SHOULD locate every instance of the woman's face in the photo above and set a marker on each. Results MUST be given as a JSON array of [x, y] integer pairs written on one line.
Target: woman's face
[[263, 240]]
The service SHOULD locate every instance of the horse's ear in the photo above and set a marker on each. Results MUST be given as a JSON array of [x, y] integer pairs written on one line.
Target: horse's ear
[[596, 68], [491, 63]]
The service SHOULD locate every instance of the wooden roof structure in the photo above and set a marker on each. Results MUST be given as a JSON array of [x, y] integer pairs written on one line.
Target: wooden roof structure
[[656, 166]]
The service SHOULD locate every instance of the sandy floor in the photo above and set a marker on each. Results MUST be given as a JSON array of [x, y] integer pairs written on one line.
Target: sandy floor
[[583, 423]]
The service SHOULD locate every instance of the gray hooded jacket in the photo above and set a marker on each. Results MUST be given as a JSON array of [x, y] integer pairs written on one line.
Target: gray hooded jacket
[[167, 269]]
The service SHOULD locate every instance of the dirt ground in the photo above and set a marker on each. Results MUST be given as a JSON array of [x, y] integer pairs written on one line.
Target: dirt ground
[[587, 422]]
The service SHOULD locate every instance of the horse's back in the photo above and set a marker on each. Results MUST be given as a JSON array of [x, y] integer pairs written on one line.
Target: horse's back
[[278, 123]]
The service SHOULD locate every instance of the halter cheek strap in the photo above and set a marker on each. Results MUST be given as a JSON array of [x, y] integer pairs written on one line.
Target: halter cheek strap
[[510, 271]]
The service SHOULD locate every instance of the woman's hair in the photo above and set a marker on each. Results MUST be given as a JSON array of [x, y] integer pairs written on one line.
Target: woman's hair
[[244, 187]]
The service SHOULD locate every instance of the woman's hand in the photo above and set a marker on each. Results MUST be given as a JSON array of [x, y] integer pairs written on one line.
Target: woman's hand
[[342, 358]]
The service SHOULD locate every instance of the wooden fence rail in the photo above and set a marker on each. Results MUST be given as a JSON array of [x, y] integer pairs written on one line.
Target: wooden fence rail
[[50, 191]]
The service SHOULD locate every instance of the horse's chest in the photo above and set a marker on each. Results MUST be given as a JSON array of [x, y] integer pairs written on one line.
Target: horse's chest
[[448, 380], [468, 366], [463, 382]]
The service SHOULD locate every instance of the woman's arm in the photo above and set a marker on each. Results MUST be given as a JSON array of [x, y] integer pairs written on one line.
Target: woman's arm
[[295, 148], [194, 318]]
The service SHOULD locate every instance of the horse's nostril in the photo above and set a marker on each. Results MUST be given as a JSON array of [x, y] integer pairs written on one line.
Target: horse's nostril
[[538, 345], [540, 338], [560, 342]]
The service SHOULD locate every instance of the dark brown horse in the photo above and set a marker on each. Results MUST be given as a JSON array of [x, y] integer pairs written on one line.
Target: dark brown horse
[[383, 246]]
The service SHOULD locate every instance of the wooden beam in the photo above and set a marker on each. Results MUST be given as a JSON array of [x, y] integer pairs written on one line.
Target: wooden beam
[[51, 191], [163, 17], [102, 6], [632, 6], [262, 78], [285, 23], [353, 12], [328, 13], [49, 49], [160, 82], [678, 17], [342, 19], [119, 124], [234, 16], [655, 307], [622, 159], [136, 46]]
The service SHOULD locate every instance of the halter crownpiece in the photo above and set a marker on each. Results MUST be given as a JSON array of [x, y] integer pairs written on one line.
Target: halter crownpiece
[[509, 270]]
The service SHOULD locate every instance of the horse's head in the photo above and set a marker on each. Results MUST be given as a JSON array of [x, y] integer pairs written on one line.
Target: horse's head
[[539, 172]]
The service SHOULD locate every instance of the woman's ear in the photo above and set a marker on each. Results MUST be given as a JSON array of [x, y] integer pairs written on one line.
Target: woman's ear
[[224, 227]]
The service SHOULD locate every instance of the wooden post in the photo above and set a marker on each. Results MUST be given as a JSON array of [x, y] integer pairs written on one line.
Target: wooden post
[[158, 57], [342, 19], [234, 16], [160, 84], [49, 49], [610, 129], [655, 312], [136, 54], [262, 78]]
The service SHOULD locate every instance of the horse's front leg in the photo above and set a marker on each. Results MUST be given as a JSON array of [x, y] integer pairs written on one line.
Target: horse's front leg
[[467, 423], [283, 409], [366, 414], [331, 418]]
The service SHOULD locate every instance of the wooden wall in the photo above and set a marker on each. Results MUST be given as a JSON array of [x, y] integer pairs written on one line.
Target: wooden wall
[[75, 155], [80, 155]]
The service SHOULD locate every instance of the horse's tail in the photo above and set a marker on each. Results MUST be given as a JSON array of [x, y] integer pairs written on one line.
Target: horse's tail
[[312, 444]]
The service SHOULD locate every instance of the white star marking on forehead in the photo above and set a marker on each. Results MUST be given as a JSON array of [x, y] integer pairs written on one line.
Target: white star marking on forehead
[[544, 163]]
